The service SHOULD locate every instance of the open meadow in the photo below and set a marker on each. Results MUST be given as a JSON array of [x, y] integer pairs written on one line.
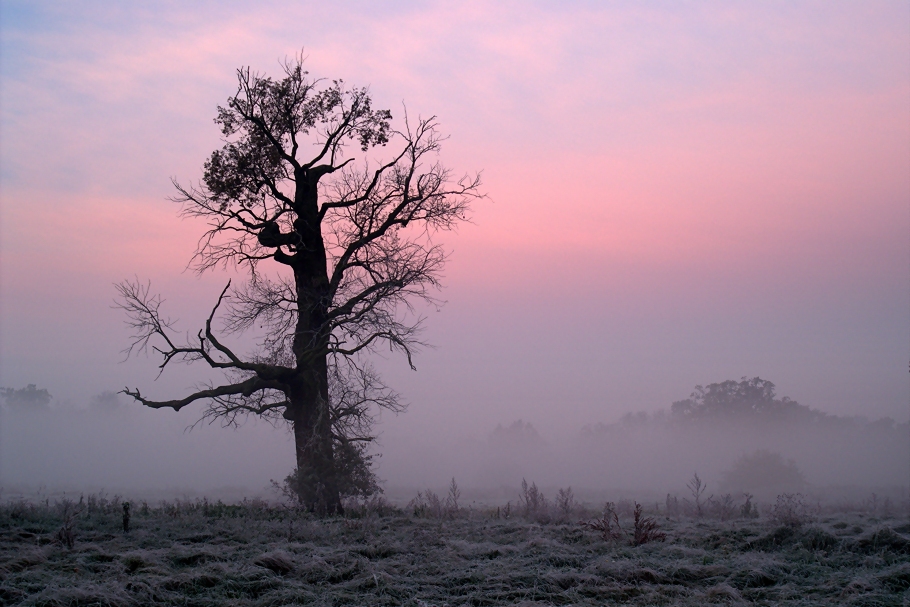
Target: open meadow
[[434, 552]]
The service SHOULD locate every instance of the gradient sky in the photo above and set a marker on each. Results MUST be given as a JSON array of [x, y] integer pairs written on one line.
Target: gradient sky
[[679, 193]]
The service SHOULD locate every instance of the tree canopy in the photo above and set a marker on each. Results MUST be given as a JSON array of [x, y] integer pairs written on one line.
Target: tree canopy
[[753, 398], [29, 398]]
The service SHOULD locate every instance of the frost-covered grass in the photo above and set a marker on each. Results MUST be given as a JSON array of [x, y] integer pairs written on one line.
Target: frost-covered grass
[[199, 553]]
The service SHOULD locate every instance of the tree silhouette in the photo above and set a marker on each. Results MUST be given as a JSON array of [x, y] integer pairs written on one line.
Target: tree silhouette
[[29, 398], [350, 246], [753, 398]]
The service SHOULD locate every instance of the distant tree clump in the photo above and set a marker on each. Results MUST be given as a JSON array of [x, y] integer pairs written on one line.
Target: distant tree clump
[[731, 399], [747, 401], [519, 434], [763, 473], [29, 398]]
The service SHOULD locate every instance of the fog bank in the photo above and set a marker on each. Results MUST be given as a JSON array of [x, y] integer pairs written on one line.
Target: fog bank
[[133, 451]]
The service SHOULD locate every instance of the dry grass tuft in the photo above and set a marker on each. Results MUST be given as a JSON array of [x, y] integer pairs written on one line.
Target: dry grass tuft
[[278, 561]]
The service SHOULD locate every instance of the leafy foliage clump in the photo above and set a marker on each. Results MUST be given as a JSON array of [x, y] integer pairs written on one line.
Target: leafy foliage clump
[[354, 470]]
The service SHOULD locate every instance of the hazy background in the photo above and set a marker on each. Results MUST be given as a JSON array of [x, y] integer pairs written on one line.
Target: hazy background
[[680, 194]]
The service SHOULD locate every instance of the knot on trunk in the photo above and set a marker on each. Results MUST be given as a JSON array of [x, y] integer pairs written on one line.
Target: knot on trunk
[[270, 236]]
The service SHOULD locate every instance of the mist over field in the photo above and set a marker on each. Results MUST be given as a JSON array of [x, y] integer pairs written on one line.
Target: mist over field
[[120, 448]]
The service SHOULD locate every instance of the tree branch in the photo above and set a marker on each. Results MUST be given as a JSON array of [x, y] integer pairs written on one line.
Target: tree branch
[[245, 388]]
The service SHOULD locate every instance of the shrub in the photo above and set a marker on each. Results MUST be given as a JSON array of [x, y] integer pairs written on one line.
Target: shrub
[[607, 525], [565, 503], [645, 528], [723, 507], [791, 510], [533, 503], [748, 509], [66, 535], [427, 505], [353, 472]]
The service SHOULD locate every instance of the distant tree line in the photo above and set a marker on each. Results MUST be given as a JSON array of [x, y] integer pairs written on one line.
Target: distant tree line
[[745, 401], [747, 398], [29, 398]]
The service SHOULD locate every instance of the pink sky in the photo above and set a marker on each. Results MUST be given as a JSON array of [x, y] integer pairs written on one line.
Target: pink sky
[[679, 193]]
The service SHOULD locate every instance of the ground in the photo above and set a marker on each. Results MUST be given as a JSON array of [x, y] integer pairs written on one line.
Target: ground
[[204, 554]]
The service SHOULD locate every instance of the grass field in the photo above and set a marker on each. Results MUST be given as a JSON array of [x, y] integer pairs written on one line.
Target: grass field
[[204, 554]]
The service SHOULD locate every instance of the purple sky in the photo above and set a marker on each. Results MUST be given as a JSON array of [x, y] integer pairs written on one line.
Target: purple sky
[[680, 193]]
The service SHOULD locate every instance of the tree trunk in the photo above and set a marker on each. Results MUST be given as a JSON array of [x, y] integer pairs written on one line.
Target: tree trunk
[[317, 475], [317, 482]]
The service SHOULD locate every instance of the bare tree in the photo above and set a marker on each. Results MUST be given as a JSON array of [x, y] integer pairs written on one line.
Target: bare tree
[[349, 245]]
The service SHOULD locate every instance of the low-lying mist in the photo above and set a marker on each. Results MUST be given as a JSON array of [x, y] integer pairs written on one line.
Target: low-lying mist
[[737, 436], [651, 457], [128, 449]]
